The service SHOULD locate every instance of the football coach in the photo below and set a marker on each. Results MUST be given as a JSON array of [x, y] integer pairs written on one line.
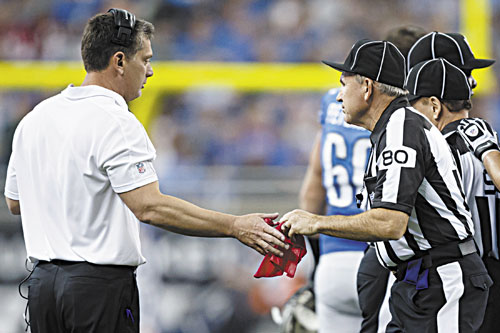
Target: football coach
[[81, 177], [418, 217]]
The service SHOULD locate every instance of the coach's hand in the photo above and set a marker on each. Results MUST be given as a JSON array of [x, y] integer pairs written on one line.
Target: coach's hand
[[254, 232], [478, 135], [299, 222]]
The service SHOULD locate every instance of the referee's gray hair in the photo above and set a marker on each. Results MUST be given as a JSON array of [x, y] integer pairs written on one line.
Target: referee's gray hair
[[384, 88]]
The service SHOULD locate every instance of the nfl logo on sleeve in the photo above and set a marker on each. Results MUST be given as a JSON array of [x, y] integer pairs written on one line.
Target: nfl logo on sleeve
[[472, 132], [140, 167]]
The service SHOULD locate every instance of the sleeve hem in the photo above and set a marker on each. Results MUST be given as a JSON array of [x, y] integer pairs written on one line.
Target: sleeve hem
[[11, 195], [133, 186], [394, 206]]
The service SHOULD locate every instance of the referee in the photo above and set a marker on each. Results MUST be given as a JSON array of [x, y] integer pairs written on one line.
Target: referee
[[81, 177], [446, 102], [481, 189], [418, 213], [441, 91], [373, 280]]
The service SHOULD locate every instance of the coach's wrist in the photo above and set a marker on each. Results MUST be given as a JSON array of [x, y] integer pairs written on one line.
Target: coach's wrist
[[235, 226]]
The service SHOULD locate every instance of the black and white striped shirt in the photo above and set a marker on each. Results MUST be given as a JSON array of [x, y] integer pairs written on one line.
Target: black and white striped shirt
[[412, 169], [482, 196]]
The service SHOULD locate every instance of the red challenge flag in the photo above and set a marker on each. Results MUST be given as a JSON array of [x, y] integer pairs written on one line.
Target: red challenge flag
[[273, 265]]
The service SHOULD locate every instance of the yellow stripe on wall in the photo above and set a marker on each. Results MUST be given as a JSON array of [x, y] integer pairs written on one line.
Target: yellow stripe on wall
[[476, 26], [177, 77]]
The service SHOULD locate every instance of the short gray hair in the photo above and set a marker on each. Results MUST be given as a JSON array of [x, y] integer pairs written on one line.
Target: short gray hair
[[384, 88]]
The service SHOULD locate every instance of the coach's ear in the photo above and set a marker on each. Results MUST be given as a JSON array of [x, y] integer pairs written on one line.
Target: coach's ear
[[117, 61], [437, 107]]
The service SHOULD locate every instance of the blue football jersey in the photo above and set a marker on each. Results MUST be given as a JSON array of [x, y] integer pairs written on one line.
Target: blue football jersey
[[345, 150]]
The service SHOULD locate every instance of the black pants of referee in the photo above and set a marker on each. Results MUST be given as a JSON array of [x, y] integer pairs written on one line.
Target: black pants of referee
[[491, 322], [372, 279], [455, 300], [82, 297]]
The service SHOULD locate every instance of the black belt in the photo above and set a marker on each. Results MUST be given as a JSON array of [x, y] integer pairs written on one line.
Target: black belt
[[59, 262], [438, 256]]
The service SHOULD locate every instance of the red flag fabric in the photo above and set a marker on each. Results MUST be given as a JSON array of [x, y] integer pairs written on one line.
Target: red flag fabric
[[273, 265]]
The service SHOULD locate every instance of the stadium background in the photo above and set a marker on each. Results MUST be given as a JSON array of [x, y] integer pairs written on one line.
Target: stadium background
[[232, 111]]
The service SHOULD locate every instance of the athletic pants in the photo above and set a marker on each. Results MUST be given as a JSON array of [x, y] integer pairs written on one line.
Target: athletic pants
[[81, 297], [455, 300], [491, 322], [335, 289]]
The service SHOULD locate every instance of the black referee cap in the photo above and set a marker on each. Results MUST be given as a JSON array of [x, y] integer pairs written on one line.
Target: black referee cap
[[451, 46], [437, 77], [378, 60]]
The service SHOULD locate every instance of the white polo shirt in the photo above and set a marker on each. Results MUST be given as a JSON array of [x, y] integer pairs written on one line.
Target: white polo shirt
[[70, 157]]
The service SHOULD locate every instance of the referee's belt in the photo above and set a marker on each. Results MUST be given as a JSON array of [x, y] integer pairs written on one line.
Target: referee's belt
[[415, 271]]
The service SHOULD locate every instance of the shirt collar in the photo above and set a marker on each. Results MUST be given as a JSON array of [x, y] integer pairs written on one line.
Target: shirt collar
[[451, 127], [81, 92], [396, 104]]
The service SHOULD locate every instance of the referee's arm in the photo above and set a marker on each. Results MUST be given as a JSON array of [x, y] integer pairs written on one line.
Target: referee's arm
[[491, 162], [377, 224], [14, 206], [150, 206]]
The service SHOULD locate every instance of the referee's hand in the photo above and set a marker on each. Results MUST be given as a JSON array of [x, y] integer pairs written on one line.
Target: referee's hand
[[478, 135], [299, 222], [254, 232]]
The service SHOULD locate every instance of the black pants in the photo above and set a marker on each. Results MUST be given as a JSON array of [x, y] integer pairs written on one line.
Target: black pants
[[82, 297], [491, 322], [372, 285], [454, 301]]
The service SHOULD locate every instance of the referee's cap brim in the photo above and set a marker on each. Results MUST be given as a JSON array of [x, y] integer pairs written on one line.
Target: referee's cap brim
[[338, 66], [479, 63]]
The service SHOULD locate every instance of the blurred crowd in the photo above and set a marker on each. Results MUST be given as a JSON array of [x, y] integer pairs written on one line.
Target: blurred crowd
[[225, 127], [286, 30], [276, 129], [220, 30], [202, 289]]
